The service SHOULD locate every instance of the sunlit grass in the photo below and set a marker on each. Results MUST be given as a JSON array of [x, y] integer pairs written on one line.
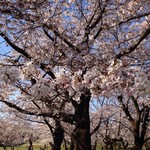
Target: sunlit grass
[[38, 146], [24, 147]]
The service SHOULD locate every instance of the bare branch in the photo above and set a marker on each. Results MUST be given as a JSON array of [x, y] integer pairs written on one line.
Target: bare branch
[[126, 111]]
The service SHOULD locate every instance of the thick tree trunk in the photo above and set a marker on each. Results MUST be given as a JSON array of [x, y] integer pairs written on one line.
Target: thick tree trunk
[[81, 139], [107, 147], [71, 147], [111, 147], [138, 139], [81, 134], [138, 144], [58, 136]]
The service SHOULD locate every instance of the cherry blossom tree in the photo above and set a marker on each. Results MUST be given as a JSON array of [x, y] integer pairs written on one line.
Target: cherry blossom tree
[[50, 131], [14, 133], [112, 127], [66, 54], [125, 123], [54, 137], [139, 119]]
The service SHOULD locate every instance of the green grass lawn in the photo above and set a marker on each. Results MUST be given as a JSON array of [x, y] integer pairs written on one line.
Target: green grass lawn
[[37, 147], [24, 147]]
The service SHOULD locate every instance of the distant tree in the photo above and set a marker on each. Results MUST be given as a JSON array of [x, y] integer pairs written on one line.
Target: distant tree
[[14, 133], [110, 126], [138, 114]]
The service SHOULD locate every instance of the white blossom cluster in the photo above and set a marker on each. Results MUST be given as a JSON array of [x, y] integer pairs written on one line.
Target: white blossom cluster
[[9, 74], [119, 79]]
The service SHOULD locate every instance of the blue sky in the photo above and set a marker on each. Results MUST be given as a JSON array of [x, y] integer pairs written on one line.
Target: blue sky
[[4, 49]]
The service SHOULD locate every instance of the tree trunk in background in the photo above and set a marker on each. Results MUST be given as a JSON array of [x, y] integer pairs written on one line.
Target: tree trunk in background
[[30, 144], [81, 135], [138, 136], [139, 123], [95, 145], [111, 146], [138, 144], [65, 145], [58, 135], [4, 147], [71, 145], [12, 147]]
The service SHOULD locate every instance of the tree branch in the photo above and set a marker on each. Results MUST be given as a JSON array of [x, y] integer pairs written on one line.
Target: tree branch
[[134, 46], [44, 118], [67, 42], [97, 127], [134, 17], [57, 33], [23, 111], [24, 53], [126, 111], [21, 51], [50, 37], [134, 100]]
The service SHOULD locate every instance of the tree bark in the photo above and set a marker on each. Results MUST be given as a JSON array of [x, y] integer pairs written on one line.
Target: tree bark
[[81, 135], [111, 146], [95, 145], [12, 147], [30, 144], [138, 143], [71, 144], [65, 145], [58, 136], [138, 137], [4, 147]]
